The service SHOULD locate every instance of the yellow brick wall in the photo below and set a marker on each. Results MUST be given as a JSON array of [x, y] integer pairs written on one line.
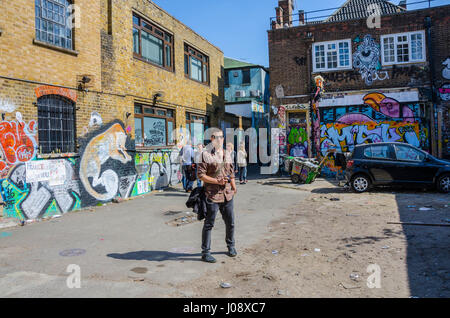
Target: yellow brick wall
[[20, 58], [119, 80], [135, 77]]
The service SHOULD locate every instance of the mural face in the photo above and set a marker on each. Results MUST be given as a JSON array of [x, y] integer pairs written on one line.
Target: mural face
[[446, 70], [444, 92], [366, 59], [17, 143]]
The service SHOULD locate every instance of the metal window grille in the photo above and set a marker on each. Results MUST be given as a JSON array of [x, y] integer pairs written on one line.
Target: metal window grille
[[52, 22], [56, 128]]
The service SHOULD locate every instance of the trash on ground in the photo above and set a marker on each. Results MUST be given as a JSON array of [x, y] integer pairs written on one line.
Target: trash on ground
[[385, 247], [304, 254], [274, 252], [225, 285], [411, 206], [354, 276], [317, 250], [5, 234], [425, 209], [56, 216], [347, 286], [335, 199]]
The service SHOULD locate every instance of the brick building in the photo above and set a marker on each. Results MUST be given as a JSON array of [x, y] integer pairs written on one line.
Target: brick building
[[92, 110], [345, 81]]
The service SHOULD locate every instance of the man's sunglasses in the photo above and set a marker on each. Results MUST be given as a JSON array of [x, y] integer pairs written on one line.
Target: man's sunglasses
[[217, 137]]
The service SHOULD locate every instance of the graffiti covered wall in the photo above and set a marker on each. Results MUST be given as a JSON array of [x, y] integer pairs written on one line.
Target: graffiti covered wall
[[108, 167], [380, 119]]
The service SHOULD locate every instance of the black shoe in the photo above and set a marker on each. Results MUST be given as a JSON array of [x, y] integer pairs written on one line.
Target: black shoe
[[232, 252], [208, 258]]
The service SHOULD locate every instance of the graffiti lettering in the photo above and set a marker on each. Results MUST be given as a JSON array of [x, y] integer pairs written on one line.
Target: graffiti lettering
[[17, 143]]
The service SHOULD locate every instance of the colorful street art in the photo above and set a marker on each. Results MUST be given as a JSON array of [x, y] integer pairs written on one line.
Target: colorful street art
[[444, 92], [109, 144], [366, 60], [32, 188], [395, 123], [39, 199], [17, 143], [446, 69], [297, 135]]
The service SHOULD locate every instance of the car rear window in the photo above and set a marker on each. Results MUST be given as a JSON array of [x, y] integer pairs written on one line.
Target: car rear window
[[408, 154], [377, 152]]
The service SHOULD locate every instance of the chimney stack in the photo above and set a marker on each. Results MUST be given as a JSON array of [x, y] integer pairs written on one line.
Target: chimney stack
[[279, 19], [402, 4], [288, 9], [301, 17]]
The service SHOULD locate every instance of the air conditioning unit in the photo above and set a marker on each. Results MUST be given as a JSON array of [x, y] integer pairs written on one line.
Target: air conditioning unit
[[240, 93], [255, 93]]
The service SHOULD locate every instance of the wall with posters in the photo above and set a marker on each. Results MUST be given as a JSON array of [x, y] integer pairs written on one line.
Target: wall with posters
[[107, 167]]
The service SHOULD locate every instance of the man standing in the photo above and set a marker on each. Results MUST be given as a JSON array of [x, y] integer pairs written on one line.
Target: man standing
[[216, 170], [187, 156]]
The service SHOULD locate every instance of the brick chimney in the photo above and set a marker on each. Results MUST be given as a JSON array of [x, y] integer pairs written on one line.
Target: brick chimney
[[402, 4], [288, 9], [301, 17], [278, 23]]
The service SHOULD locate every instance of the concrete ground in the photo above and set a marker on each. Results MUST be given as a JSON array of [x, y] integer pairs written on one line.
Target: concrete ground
[[130, 250], [315, 240]]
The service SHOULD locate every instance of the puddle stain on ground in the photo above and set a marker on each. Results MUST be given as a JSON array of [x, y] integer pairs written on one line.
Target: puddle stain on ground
[[139, 270], [72, 252]]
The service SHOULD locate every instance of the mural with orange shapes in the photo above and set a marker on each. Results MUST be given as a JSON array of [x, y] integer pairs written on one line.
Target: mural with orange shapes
[[17, 143]]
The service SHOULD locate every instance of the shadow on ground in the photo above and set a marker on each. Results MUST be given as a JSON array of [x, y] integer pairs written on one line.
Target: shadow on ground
[[158, 256]]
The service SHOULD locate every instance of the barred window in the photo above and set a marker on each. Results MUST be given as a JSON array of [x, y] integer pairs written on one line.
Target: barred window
[[56, 128], [53, 23]]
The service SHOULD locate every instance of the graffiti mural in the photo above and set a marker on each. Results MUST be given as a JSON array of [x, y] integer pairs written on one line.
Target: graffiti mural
[[107, 146], [297, 135], [444, 92], [381, 119], [44, 198], [446, 69], [366, 60], [17, 143]]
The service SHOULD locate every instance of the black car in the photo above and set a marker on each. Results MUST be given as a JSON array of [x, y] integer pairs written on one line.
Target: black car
[[395, 164]]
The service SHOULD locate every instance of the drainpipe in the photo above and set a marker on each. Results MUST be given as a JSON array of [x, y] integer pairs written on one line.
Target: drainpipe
[[432, 86]]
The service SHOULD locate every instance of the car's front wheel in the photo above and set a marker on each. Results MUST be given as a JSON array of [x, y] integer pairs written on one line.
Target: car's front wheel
[[360, 183], [443, 184]]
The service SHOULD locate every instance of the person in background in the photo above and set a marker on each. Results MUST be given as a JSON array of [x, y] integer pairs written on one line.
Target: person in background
[[230, 150], [187, 158], [216, 170], [242, 163], [197, 158]]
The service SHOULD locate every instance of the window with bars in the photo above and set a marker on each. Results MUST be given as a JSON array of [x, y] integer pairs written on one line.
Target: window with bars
[[196, 65], [152, 43], [403, 48], [52, 22], [333, 55], [56, 124]]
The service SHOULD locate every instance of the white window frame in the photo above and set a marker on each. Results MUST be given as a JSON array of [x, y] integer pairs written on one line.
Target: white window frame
[[325, 44], [408, 34]]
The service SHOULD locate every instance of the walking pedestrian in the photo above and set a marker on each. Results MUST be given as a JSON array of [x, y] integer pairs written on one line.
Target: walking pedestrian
[[216, 170], [242, 163], [197, 158], [187, 158]]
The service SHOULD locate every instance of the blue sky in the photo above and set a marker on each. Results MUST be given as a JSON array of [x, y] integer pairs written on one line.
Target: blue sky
[[239, 27]]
